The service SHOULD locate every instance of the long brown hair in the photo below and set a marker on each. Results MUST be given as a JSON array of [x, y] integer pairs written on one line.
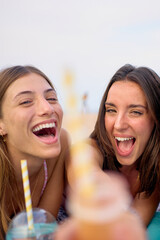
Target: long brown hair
[[148, 164], [7, 177]]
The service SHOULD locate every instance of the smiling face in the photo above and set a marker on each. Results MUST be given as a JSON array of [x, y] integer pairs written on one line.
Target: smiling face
[[128, 121], [31, 118]]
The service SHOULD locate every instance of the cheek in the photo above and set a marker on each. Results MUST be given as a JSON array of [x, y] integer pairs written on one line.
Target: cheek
[[16, 120], [59, 112], [149, 128], [145, 129], [108, 124]]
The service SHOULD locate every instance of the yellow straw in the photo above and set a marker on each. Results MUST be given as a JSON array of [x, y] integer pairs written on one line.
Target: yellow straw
[[27, 194]]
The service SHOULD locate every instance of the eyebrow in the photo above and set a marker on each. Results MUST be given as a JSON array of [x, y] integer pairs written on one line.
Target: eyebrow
[[130, 106], [31, 92]]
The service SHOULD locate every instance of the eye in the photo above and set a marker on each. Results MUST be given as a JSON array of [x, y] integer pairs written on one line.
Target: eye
[[136, 113], [52, 99], [26, 102], [110, 110]]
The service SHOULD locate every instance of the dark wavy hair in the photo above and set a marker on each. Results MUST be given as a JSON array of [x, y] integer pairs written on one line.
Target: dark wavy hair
[[148, 164]]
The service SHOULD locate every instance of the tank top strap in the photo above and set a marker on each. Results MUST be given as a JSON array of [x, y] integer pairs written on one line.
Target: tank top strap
[[45, 176]]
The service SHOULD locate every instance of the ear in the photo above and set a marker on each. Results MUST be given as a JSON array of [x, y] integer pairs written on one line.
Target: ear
[[2, 128]]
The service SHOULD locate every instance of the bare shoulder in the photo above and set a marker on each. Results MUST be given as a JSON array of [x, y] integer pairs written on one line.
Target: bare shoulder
[[65, 140], [65, 137], [96, 152]]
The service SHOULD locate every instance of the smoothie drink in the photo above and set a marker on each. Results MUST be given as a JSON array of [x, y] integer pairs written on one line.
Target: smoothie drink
[[44, 226]]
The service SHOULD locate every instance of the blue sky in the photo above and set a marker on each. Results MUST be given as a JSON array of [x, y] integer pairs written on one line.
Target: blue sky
[[89, 38]]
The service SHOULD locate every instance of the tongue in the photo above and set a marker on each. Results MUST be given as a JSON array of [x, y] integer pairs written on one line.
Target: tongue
[[125, 145], [49, 137], [46, 132]]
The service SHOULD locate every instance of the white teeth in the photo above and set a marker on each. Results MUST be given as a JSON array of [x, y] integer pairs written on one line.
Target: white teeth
[[42, 126], [123, 139]]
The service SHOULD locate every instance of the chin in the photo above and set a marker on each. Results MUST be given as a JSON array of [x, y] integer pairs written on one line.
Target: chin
[[125, 162], [51, 153], [54, 153]]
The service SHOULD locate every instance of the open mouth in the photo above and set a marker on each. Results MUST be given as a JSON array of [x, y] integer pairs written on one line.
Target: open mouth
[[125, 144], [45, 130]]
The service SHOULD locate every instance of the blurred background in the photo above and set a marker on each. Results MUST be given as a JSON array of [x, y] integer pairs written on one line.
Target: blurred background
[[89, 39]]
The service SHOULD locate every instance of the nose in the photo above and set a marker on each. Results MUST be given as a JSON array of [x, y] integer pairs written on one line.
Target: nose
[[121, 122], [44, 107]]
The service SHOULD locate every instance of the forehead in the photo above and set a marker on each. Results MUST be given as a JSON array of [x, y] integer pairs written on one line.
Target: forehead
[[30, 82], [126, 91]]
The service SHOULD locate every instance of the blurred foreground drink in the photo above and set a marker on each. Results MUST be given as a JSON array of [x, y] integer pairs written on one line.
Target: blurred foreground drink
[[106, 216], [100, 202], [44, 226], [96, 215]]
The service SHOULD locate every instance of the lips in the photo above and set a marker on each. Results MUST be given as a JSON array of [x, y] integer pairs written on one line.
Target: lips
[[125, 145], [46, 132]]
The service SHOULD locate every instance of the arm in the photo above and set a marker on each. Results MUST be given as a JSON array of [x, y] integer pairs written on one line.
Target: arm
[[124, 226], [146, 207]]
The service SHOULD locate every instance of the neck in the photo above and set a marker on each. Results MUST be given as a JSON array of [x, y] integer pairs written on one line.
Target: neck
[[34, 165], [125, 169]]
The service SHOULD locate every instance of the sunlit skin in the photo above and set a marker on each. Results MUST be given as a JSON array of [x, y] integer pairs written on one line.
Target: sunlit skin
[[29, 102], [127, 116]]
